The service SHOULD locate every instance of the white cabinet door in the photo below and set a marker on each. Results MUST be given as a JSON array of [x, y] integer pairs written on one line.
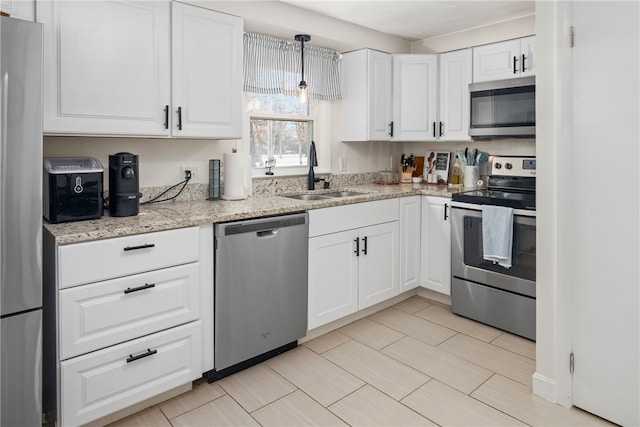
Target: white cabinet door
[[436, 244], [19, 9], [101, 314], [496, 61], [98, 260], [366, 84], [415, 85], [108, 66], [528, 56], [455, 76], [504, 60], [378, 269], [100, 383], [207, 73], [333, 277], [409, 243]]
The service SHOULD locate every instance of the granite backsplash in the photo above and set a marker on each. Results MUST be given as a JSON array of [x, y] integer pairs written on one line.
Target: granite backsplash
[[266, 185]]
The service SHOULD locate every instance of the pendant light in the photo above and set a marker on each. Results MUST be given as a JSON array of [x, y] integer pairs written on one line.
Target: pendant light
[[303, 85]]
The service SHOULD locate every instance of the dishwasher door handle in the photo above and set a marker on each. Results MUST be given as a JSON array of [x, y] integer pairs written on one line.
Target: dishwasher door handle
[[266, 234]]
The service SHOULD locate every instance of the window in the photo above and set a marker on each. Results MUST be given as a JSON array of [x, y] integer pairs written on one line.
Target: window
[[280, 126], [280, 130]]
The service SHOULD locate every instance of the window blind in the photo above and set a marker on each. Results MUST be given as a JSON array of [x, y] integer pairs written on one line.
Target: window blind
[[272, 66]]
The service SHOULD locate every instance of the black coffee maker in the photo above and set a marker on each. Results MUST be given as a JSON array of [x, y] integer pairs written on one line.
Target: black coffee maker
[[124, 187]]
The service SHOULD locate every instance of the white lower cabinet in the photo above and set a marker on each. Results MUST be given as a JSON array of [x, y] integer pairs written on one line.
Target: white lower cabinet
[[378, 264], [353, 258], [333, 277], [121, 309], [126, 323], [409, 247], [105, 381], [436, 245]]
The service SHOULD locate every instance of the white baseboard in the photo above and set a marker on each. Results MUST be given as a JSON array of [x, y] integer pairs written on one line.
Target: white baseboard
[[544, 387]]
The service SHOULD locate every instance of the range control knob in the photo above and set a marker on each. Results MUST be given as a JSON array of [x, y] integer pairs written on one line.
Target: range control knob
[[498, 165], [508, 165]]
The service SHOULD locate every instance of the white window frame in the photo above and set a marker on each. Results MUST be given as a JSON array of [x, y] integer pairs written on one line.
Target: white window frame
[[319, 116]]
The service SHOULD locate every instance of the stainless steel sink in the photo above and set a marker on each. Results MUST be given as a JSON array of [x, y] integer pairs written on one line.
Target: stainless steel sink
[[343, 194], [309, 197]]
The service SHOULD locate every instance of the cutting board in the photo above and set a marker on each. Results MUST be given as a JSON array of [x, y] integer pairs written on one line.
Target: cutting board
[[419, 162]]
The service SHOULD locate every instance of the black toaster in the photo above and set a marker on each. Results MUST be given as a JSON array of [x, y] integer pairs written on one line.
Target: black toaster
[[72, 188]]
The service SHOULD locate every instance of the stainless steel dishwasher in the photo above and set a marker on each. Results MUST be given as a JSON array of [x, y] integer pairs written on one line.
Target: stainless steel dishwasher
[[260, 290]]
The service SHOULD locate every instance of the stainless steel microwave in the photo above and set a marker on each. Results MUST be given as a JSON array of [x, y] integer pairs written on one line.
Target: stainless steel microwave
[[503, 108]]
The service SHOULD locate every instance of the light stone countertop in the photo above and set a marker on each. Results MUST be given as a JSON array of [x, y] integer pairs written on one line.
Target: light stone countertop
[[171, 215]]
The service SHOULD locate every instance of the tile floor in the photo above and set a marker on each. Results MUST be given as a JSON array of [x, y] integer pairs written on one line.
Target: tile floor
[[415, 363]]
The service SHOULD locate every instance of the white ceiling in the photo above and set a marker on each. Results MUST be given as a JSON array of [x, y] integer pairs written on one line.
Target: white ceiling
[[419, 19]]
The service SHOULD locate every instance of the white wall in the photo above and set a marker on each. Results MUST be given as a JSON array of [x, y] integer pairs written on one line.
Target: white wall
[[511, 29], [284, 20], [160, 159], [551, 94]]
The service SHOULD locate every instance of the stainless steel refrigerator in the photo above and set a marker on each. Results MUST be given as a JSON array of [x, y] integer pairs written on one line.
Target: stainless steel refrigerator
[[20, 223]]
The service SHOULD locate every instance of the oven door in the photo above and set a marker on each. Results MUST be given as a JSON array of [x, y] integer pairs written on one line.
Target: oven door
[[467, 262]]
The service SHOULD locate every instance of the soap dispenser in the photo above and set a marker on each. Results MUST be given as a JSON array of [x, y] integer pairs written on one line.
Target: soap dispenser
[[456, 179]]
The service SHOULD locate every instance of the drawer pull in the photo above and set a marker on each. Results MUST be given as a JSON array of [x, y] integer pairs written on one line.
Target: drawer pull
[[135, 248], [140, 288], [133, 358]]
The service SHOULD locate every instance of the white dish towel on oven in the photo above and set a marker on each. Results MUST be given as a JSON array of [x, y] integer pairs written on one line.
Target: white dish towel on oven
[[497, 234]]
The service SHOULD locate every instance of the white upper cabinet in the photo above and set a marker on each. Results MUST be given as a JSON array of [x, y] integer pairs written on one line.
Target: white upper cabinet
[[366, 85], [455, 76], [528, 56], [207, 73], [504, 60], [415, 86], [109, 69], [19, 9]]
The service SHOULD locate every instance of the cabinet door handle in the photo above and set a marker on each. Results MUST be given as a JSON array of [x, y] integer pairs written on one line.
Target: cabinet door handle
[[135, 248], [140, 288], [515, 67], [357, 251], [166, 117], [441, 126], [522, 63], [434, 129], [391, 129], [446, 206], [179, 118], [148, 353], [364, 250]]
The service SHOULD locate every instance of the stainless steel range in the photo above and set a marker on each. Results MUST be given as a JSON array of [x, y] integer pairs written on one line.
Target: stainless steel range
[[482, 289]]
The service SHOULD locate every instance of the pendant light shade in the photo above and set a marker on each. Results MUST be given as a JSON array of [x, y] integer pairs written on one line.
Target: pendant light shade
[[302, 38]]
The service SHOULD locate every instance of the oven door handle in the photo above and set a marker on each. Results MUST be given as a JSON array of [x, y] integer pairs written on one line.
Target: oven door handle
[[473, 207]]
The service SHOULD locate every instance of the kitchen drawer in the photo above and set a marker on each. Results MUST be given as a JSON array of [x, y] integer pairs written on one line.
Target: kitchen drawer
[[357, 215], [99, 383], [106, 313], [106, 259]]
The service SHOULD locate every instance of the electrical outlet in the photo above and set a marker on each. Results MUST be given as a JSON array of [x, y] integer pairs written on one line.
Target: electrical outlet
[[343, 164], [192, 169]]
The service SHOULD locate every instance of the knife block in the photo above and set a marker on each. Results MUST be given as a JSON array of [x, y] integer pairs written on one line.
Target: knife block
[[405, 175]]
